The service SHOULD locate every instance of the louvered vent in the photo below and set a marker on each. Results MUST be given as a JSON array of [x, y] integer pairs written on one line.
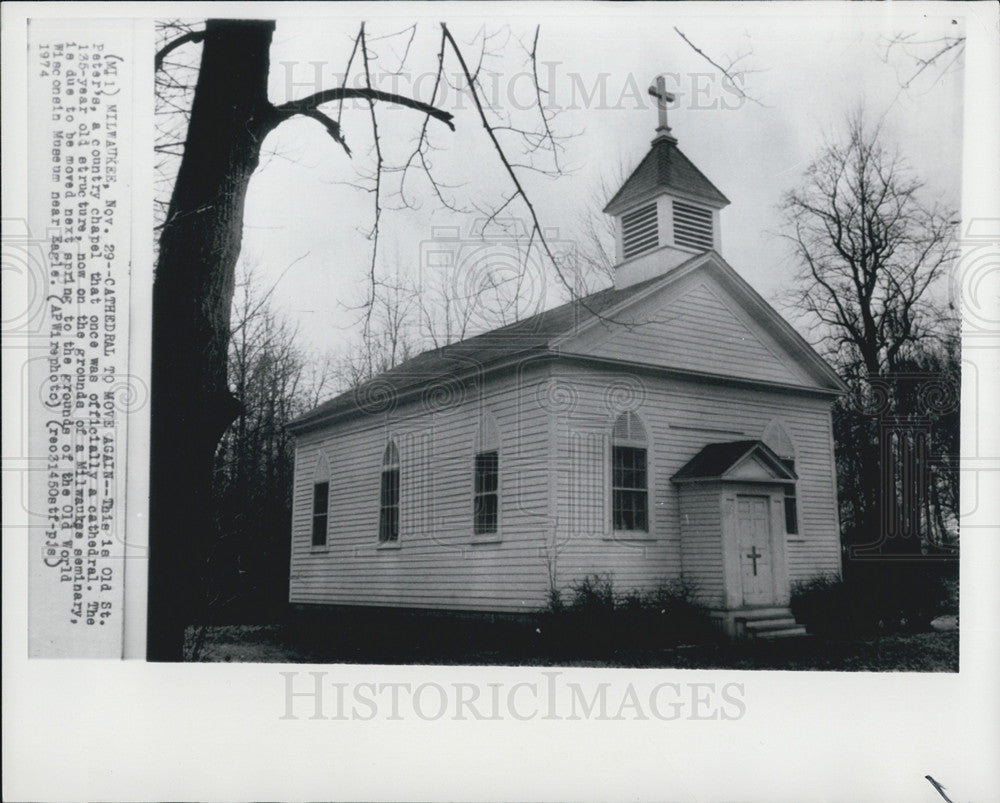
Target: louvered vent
[[692, 226], [639, 231]]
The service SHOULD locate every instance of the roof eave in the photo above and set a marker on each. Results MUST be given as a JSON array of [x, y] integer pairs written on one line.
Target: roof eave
[[311, 421], [616, 207]]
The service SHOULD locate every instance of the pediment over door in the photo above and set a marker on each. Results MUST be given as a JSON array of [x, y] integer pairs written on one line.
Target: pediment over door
[[736, 461]]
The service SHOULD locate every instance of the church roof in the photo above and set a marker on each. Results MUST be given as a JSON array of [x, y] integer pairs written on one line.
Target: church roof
[[716, 459], [435, 367], [438, 372], [664, 168]]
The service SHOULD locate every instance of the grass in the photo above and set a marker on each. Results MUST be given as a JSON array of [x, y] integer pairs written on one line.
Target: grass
[[874, 622], [900, 652]]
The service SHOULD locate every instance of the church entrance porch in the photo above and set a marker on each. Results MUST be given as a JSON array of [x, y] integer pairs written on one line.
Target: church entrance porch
[[733, 536]]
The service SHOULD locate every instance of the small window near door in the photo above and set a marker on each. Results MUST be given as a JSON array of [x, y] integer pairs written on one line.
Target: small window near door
[[791, 511], [321, 502]]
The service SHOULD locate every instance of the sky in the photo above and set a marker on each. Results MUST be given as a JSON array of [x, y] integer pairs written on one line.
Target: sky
[[306, 225]]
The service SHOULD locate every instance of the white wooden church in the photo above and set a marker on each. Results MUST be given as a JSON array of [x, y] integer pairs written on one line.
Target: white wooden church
[[673, 426]]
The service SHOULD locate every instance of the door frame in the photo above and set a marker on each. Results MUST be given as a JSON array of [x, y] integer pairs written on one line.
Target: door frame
[[768, 546], [733, 570]]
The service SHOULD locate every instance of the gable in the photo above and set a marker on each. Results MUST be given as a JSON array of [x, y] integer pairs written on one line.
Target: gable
[[697, 323], [700, 316], [752, 468], [735, 460]]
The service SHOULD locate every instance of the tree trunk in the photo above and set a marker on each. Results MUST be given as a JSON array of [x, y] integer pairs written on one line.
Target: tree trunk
[[192, 293]]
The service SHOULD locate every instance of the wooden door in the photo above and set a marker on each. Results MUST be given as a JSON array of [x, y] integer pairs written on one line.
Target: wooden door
[[754, 542]]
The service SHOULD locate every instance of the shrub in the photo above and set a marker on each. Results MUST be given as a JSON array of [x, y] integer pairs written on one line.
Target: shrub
[[597, 620], [824, 605], [555, 604], [878, 597], [595, 593]]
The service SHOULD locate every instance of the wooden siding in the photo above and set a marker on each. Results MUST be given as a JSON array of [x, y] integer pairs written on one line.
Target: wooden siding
[[437, 562], [680, 417], [554, 421], [702, 555], [566, 411], [693, 324]]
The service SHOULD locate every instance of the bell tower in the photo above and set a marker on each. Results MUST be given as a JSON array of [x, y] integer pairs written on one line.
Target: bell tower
[[666, 211]]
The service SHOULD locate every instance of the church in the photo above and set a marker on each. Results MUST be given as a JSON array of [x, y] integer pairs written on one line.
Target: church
[[673, 426]]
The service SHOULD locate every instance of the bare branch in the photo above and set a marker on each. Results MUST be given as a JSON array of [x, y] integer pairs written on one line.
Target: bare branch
[[170, 47], [266, 297], [378, 173], [331, 126], [347, 72], [536, 229], [311, 102], [936, 50], [727, 72]]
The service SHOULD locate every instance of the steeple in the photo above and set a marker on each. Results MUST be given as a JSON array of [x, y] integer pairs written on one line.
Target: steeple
[[667, 210]]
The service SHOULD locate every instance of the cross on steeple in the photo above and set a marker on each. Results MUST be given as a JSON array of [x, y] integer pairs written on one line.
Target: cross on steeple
[[663, 98]]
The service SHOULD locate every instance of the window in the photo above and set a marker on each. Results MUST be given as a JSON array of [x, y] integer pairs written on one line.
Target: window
[[486, 479], [639, 231], [791, 502], [693, 226], [388, 520], [486, 499], [321, 502], [791, 511], [776, 437], [629, 476]]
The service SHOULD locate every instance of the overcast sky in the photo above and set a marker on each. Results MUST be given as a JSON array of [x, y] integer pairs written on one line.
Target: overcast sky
[[812, 66]]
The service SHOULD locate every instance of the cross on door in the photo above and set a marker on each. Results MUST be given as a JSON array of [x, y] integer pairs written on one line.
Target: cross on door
[[753, 554]]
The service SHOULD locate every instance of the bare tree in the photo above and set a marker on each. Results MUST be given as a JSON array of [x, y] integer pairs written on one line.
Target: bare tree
[[244, 574], [227, 116], [872, 254], [200, 241], [594, 259], [871, 251], [489, 283], [390, 336]]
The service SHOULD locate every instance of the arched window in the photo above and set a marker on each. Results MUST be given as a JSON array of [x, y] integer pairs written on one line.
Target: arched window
[[781, 443], [486, 482], [629, 477], [388, 520], [321, 501]]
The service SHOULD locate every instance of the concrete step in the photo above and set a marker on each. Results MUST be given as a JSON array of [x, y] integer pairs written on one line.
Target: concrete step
[[790, 632], [760, 625], [770, 622], [772, 612]]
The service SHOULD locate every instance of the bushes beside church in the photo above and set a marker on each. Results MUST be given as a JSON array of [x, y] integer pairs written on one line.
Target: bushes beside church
[[597, 619], [876, 598]]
